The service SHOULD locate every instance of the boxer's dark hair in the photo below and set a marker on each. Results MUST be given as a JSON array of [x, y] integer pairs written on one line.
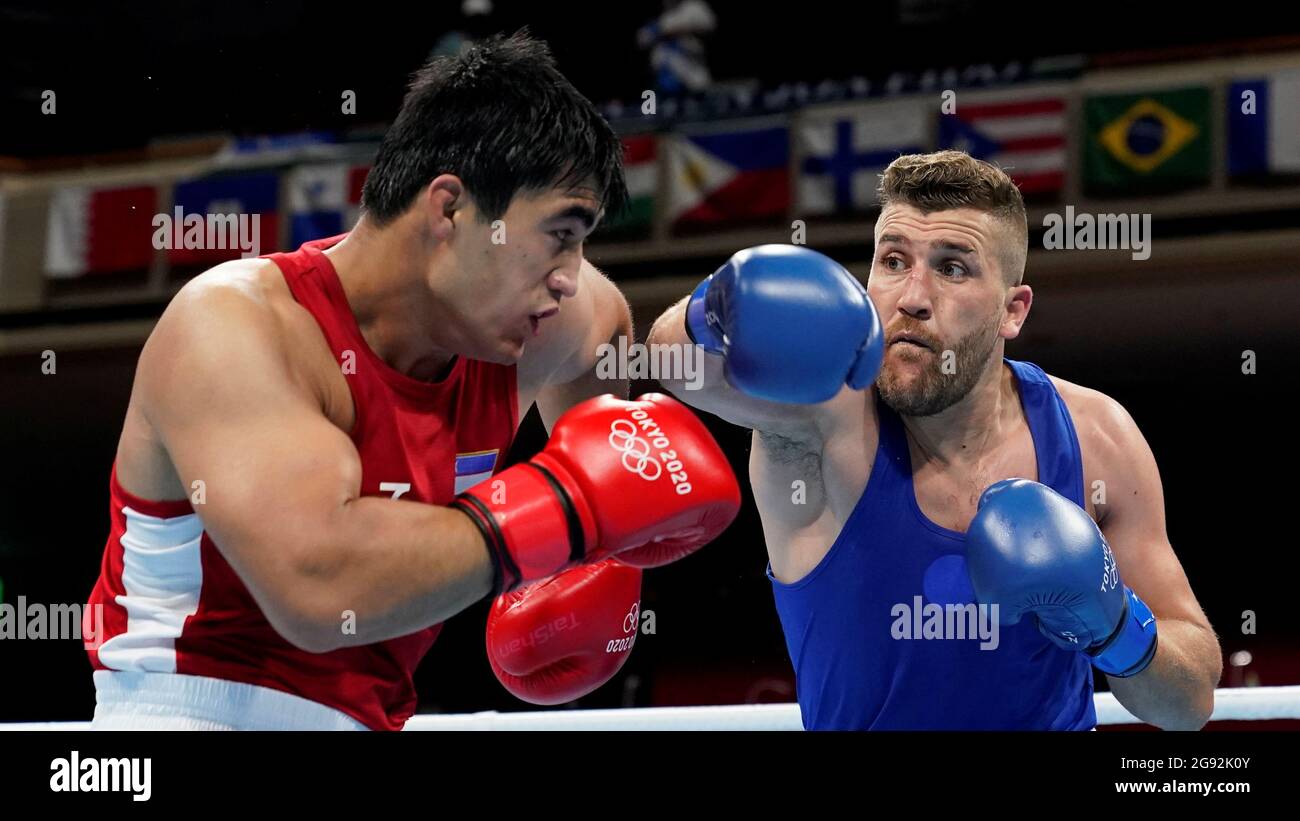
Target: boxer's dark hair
[[945, 180], [502, 118]]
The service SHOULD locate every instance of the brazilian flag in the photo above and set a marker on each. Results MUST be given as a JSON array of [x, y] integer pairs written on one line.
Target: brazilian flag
[[1147, 143]]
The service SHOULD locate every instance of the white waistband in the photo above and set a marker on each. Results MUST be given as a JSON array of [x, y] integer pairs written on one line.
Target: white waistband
[[157, 701]]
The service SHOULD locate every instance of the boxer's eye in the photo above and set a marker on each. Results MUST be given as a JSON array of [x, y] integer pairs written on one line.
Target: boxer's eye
[[888, 262], [952, 270]]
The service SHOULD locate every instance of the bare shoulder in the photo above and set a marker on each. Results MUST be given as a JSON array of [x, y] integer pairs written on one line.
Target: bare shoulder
[[247, 291], [239, 314], [1114, 448], [1098, 418]]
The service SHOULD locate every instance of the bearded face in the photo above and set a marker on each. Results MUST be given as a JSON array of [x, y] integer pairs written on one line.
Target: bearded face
[[918, 377], [938, 282]]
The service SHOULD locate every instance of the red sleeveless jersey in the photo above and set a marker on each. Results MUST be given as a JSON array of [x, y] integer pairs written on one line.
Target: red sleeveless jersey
[[173, 604]]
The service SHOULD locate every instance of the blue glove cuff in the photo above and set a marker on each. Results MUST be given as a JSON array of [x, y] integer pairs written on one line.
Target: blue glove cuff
[[1133, 645], [870, 356], [698, 327]]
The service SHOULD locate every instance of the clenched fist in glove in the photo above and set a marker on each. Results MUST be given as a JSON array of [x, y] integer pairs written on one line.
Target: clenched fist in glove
[[640, 480], [561, 638]]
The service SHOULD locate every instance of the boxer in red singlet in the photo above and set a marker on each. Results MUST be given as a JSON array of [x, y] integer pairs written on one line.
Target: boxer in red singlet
[[304, 487]]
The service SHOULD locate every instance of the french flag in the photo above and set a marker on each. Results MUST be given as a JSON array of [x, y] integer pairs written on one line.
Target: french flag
[[1022, 132], [1265, 138]]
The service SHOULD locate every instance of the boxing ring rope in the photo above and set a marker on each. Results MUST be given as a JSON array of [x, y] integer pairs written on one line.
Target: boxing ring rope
[[1232, 704]]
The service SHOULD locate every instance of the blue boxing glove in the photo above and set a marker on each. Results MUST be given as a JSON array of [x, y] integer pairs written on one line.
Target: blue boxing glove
[[792, 324], [1031, 550]]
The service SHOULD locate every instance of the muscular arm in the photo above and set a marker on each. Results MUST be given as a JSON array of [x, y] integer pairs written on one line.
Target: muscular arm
[[282, 484], [568, 368], [788, 465], [1177, 690]]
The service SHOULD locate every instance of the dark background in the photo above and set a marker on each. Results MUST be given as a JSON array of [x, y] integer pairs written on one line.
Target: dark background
[[128, 74], [131, 71]]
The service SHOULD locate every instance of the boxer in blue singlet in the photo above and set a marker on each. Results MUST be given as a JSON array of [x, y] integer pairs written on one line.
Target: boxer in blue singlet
[[955, 539]]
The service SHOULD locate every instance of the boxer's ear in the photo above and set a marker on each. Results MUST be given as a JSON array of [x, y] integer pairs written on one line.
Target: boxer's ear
[[444, 197]]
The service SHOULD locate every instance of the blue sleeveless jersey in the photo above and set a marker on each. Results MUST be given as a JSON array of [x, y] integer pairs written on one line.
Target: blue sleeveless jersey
[[840, 621]]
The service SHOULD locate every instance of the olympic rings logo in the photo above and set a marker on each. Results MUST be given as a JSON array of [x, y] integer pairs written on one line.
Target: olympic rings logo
[[633, 616], [636, 451]]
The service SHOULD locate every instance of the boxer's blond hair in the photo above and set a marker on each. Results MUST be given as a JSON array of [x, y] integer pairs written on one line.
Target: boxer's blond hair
[[954, 179]]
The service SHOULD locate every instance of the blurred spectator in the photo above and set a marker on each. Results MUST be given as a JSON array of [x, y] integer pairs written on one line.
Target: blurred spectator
[[676, 50], [476, 23]]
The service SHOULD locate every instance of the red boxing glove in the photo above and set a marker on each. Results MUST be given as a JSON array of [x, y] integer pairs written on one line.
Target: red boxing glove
[[641, 480], [560, 639]]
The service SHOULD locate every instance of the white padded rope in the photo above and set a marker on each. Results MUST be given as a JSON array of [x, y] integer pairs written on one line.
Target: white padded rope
[[1233, 704], [1237, 704]]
